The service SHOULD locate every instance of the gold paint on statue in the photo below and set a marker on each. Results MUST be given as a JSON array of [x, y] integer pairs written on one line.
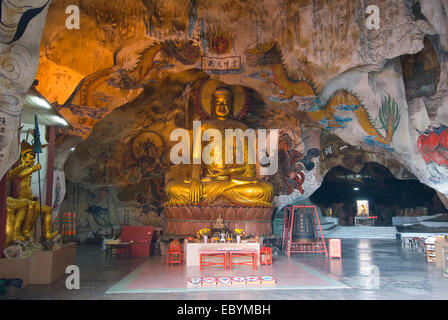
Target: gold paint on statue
[[22, 212], [216, 182]]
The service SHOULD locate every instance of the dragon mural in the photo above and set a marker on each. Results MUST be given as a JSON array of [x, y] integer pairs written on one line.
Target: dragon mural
[[268, 55], [134, 67]]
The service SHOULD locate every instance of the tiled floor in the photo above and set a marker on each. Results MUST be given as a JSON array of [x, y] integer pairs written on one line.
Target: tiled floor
[[155, 276], [371, 269]]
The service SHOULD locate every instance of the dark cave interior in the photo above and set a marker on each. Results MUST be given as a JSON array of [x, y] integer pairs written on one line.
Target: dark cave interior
[[387, 195]]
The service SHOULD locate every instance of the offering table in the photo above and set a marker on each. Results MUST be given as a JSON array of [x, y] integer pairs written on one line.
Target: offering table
[[192, 250], [368, 220]]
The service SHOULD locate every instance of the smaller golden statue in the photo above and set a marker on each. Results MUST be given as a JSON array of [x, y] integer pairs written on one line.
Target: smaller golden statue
[[219, 223], [22, 212]]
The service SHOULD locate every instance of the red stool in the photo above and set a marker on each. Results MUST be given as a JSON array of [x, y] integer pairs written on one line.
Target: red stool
[[266, 256], [174, 253]]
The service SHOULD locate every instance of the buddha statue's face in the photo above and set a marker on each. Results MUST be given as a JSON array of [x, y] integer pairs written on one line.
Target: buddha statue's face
[[223, 103]]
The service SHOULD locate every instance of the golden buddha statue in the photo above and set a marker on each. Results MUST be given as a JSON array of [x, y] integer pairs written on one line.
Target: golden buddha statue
[[22, 212], [219, 182]]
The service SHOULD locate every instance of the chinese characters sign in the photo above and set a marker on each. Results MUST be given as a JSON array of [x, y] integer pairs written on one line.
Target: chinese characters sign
[[215, 63]]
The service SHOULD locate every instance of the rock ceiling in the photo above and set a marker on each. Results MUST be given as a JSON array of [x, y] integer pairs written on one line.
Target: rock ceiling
[[310, 68]]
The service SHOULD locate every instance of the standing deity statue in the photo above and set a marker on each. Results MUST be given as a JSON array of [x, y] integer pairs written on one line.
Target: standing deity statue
[[22, 212]]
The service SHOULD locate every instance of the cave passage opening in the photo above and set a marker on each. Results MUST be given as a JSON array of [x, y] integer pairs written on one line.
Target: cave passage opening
[[387, 196]]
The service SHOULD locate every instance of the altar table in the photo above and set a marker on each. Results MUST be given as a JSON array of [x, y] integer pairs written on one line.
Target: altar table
[[367, 220], [192, 251]]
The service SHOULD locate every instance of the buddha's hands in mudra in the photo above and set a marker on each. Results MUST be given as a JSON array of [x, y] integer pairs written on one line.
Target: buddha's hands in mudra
[[196, 190]]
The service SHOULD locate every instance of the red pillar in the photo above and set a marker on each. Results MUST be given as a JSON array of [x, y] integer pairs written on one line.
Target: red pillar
[[50, 165], [3, 194]]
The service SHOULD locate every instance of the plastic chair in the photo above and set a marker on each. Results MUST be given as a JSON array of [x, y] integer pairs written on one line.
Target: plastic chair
[[174, 253], [266, 256]]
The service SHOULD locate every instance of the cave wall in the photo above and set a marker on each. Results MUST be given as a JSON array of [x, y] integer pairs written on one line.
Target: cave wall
[[101, 211], [21, 27], [126, 78]]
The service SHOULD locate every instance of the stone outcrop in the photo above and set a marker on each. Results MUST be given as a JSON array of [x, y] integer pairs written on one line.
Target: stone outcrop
[[313, 69]]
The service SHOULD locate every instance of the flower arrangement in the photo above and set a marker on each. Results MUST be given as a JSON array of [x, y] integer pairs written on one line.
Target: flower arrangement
[[203, 232], [240, 232]]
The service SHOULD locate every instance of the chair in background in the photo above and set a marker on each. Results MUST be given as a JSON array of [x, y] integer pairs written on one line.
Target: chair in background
[[266, 256], [174, 253]]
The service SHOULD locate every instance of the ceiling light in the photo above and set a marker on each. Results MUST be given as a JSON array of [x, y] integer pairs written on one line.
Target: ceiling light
[[356, 188], [59, 120], [40, 102]]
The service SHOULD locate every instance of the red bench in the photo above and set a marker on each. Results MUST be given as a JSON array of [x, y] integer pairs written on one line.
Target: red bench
[[212, 253], [142, 237], [244, 253]]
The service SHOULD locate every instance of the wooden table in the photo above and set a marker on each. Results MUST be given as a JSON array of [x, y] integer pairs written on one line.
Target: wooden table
[[111, 246], [243, 253], [212, 253]]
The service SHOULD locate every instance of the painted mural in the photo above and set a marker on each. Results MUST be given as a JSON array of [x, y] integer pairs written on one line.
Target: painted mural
[[59, 191], [15, 17], [432, 144], [101, 212], [135, 66], [298, 173], [219, 41], [99, 218], [269, 55], [148, 213], [19, 52], [163, 58], [219, 53], [286, 89], [294, 163], [148, 162]]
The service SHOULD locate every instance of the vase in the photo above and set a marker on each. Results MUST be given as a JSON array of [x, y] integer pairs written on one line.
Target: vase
[[238, 239], [205, 239]]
